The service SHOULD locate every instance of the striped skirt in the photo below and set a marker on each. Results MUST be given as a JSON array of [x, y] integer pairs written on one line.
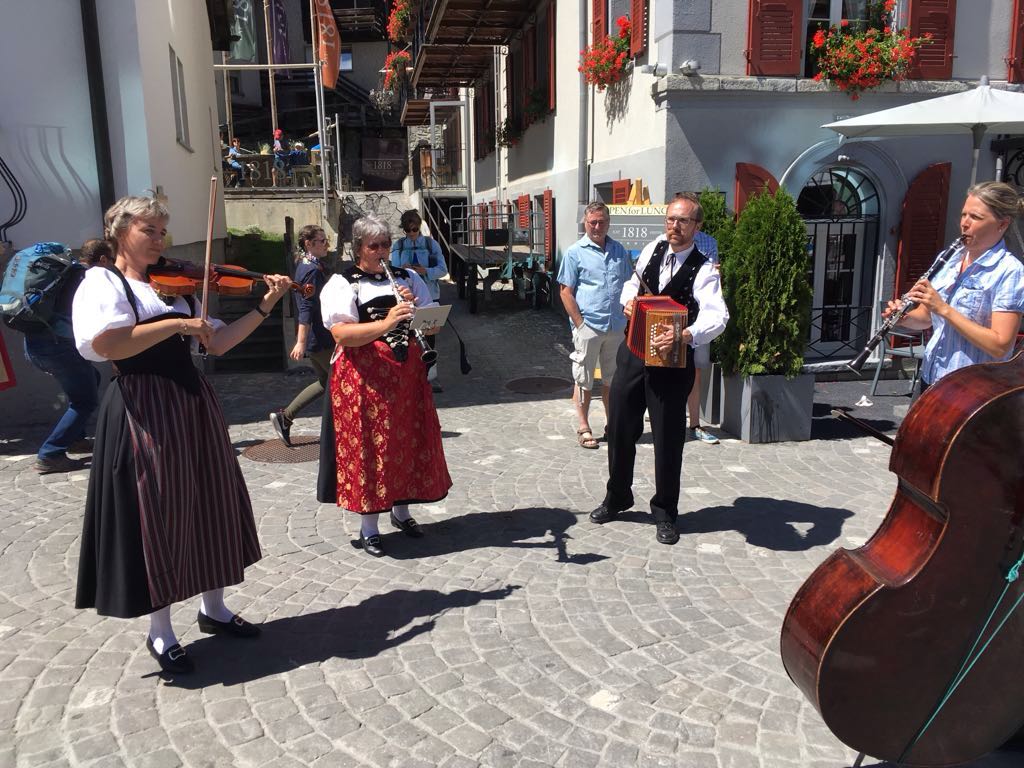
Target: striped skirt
[[167, 514]]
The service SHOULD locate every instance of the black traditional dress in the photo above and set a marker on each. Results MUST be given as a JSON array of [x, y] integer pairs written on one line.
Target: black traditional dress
[[167, 514], [380, 444]]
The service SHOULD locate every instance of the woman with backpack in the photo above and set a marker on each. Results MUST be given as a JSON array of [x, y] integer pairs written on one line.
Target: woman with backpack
[[312, 340], [167, 513], [421, 254]]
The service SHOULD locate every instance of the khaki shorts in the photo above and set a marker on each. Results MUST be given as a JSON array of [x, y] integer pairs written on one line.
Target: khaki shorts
[[589, 348]]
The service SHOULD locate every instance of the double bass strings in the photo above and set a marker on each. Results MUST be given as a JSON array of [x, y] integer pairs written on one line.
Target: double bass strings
[[971, 658]]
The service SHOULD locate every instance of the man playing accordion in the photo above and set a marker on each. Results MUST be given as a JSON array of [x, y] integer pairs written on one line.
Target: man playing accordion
[[677, 269]]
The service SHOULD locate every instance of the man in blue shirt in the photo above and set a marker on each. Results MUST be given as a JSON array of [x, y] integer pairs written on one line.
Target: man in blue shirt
[[593, 272]]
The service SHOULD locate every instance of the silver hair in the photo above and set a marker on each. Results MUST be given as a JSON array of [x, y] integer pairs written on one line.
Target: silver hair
[[367, 228], [121, 214], [595, 207]]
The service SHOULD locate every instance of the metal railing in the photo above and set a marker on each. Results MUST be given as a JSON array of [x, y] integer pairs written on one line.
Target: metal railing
[[838, 332]]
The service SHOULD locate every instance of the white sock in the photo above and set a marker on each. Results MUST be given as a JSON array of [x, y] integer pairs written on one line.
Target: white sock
[[401, 512], [160, 630], [369, 526], [212, 605]]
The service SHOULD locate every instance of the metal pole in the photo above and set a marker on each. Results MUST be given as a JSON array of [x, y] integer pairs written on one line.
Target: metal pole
[[228, 117], [270, 62], [464, 112], [497, 124], [318, 74], [337, 147]]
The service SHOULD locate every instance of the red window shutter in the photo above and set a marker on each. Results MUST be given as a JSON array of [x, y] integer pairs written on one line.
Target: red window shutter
[[752, 180], [549, 229], [934, 60], [774, 32], [923, 225], [1016, 57], [523, 206], [638, 28], [598, 19], [620, 191], [551, 55], [495, 217]]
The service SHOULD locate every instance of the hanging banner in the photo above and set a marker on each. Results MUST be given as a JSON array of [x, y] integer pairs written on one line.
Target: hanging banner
[[330, 43], [244, 49], [279, 32]]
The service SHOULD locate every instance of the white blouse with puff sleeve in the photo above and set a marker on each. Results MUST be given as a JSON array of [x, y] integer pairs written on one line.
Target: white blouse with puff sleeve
[[101, 304]]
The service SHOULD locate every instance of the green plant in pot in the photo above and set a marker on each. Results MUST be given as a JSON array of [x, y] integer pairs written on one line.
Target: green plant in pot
[[766, 287]]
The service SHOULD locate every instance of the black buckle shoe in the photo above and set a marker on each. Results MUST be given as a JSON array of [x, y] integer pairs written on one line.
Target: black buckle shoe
[[667, 533], [409, 527], [372, 545], [603, 514], [173, 660], [236, 627]]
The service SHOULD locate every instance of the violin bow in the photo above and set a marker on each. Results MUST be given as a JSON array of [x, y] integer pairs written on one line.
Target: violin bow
[[204, 311], [209, 246]]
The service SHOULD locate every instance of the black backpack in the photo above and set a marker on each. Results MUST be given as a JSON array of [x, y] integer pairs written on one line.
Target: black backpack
[[32, 286]]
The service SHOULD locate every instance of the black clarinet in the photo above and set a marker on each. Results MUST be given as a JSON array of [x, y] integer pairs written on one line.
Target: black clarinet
[[906, 306], [428, 355]]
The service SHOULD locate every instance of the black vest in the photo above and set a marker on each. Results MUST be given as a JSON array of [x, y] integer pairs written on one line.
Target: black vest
[[378, 308], [680, 287]]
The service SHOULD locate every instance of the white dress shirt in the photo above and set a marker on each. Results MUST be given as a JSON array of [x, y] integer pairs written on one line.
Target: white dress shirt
[[707, 290]]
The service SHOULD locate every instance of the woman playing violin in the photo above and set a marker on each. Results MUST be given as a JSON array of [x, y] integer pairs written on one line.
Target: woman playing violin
[[380, 445], [167, 514], [975, 302]]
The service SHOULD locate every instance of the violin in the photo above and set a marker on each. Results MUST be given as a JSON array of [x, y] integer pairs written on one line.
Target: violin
[[909, 647], [176, 277]]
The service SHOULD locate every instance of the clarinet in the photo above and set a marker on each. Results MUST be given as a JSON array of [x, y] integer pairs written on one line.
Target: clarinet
[[429, 355], [906, 306]]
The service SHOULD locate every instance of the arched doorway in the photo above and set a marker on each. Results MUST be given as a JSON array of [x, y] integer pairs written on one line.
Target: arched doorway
[[840, 206]]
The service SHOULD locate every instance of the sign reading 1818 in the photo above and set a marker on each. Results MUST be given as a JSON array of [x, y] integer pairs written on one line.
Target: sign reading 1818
[[634, 225]]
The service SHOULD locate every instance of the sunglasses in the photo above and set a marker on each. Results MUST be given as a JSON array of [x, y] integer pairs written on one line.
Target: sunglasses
[[381, 246], [412, 229]]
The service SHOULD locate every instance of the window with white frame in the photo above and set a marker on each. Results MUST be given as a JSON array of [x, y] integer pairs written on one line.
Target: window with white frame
[[345, 64], [178, 96]]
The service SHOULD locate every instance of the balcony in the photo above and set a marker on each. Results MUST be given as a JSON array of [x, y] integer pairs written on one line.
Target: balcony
[[453, 41], [361, 21]]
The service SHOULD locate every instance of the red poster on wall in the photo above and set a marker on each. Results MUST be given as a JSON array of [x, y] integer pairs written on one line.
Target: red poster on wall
[[7, 379]]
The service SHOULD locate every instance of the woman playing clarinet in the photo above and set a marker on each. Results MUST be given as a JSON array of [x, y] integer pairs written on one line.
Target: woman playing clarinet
[[167, 514], [380, 448], [974, 303]]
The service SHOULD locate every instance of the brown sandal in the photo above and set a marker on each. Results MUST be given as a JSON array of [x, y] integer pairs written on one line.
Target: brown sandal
[[584, 440]]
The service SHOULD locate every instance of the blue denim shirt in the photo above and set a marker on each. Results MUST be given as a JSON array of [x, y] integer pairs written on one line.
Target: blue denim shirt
[[597, 275], [993, 283]]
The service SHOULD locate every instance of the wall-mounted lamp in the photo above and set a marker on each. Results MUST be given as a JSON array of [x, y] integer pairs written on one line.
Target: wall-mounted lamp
[[657, 69], [690, 67]]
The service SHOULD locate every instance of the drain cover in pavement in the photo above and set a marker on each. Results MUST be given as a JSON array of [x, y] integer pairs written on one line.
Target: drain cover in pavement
[[538, 385], [276, 452]]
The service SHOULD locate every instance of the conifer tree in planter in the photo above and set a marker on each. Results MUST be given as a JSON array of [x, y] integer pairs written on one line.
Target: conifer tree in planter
[[766, 287]]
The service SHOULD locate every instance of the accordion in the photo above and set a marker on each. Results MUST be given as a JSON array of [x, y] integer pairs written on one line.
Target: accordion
[[652, 315]]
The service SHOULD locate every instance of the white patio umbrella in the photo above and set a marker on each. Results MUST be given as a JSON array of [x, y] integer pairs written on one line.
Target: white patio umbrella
[[975, 111]]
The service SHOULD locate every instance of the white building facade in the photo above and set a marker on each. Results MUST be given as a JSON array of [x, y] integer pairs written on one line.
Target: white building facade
[[721, 94]]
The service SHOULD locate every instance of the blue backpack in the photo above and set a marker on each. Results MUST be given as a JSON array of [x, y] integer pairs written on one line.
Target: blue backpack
[[32, 284]]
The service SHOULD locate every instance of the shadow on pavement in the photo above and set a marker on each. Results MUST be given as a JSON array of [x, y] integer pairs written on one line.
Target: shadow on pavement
[[479, 530], [352, 632], [769, 523]]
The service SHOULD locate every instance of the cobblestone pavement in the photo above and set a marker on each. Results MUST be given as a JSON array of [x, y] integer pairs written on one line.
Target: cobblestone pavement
[[515, 633]]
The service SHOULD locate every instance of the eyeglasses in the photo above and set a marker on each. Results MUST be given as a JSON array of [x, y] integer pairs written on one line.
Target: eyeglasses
[[381, 246], [598, 223], [318, 240], [681, 220]]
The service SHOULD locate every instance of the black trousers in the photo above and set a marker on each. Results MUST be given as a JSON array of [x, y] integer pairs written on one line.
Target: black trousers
[[662, 392]]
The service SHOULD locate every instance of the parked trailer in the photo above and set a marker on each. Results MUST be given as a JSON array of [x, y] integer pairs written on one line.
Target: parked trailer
[[488, 247]]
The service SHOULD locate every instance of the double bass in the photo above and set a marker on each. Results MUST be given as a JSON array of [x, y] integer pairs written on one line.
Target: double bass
[[910, 646]]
